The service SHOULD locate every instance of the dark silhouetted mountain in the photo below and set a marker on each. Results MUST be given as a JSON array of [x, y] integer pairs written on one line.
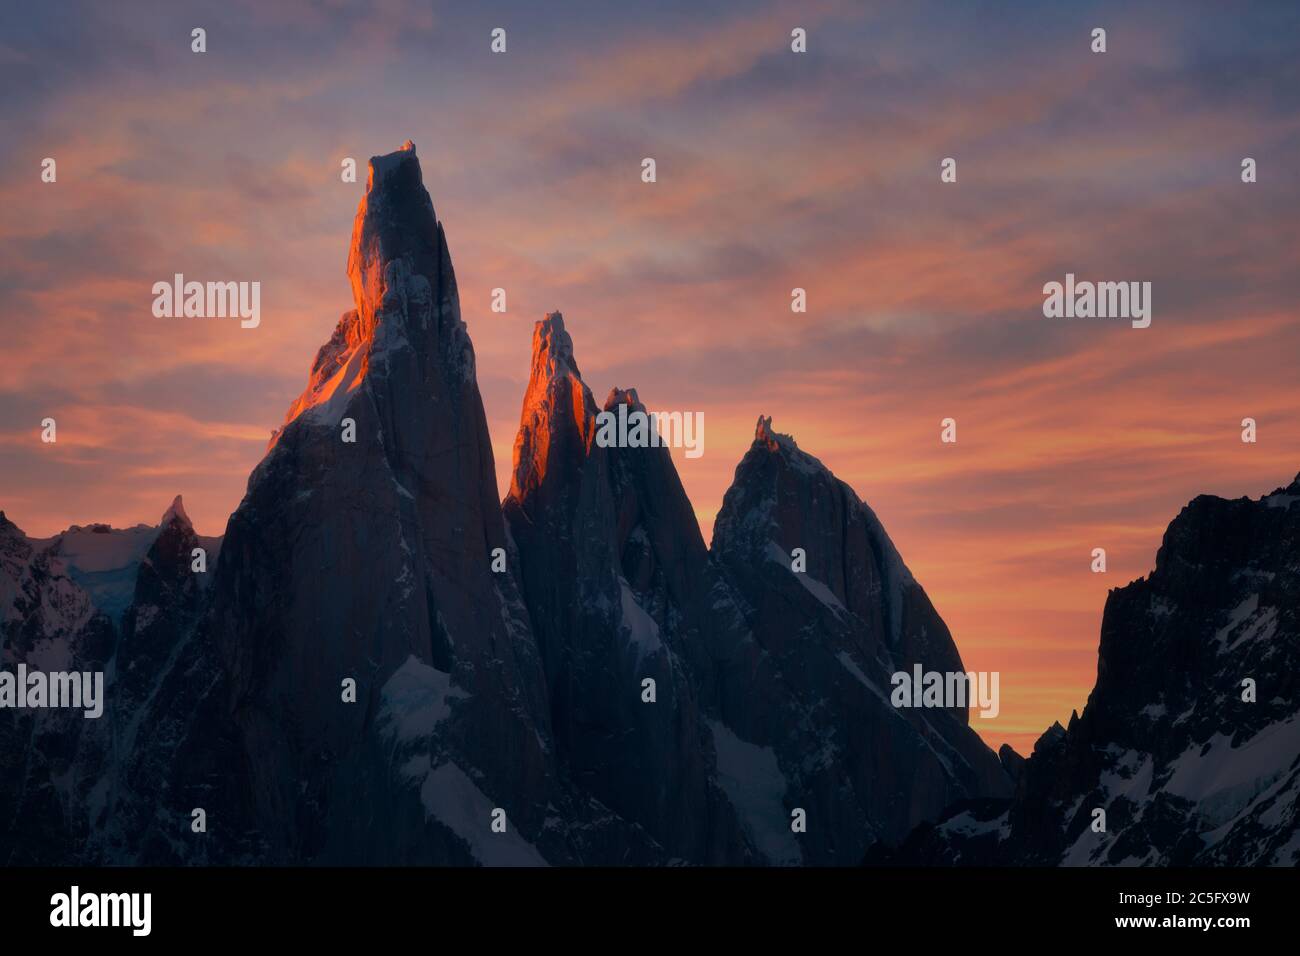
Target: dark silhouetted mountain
[[369, 560], [1190, 740], [590, 524], [48, 623], [807, 680]]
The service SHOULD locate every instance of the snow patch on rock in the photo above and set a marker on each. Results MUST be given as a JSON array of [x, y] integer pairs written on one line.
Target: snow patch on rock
[[452, 798], [751, 778], [415, 700]]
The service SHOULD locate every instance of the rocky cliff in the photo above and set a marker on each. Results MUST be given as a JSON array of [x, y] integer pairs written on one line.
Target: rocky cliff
[[1188, 751]]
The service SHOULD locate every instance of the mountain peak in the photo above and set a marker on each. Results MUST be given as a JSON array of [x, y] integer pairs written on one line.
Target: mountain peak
[[621, 396], [395, 220], [176, 513], [558, 416], [784, 446], [773, 440], [383, 166], [764, 435], [403, 287], [553, 348], [1050, 737]]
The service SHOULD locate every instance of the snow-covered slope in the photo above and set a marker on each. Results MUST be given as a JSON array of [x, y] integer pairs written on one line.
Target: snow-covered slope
[[103, 561]]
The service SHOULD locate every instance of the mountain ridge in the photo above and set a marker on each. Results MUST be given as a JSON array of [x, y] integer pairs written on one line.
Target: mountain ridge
[[388, 663], [1188, 749]]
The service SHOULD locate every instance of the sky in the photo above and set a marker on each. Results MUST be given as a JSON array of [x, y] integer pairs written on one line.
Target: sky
[[775, 170]]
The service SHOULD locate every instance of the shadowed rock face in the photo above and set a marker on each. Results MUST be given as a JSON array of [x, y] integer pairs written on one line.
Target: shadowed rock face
[[167, 600], [361, 559], [583, 519], [169, 746], [1187, 772], [811, 668], [783, 499], [48, 623], [774, 686]]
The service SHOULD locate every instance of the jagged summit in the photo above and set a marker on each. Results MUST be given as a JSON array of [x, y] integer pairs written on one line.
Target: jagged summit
[[614, 573], [1190, 738], [783, 498], [395, 220], [765, 437], [404, 293], [1050, 736], [557, 422], [834, 612], [368, 550], [176, 514], [623, 396], [1290, 490], [382, 166], [553, 348]]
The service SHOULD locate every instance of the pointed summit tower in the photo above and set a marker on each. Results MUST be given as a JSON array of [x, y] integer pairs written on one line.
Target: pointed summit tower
[[406, 303], [362, 551], [557, 423], [586, 522], [175, 513]]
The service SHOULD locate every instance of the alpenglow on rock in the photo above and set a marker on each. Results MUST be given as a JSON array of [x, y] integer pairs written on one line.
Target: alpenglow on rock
[[756, 667], [578, 526], [370, 561]]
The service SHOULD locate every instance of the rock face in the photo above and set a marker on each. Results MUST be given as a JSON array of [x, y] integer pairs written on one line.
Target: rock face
[[1191, 764], [164, 713], [369, 560], [89, 789], [808, 676], [167, 600], [596, 531], [769, 683], [46, 619], [48, 623]]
